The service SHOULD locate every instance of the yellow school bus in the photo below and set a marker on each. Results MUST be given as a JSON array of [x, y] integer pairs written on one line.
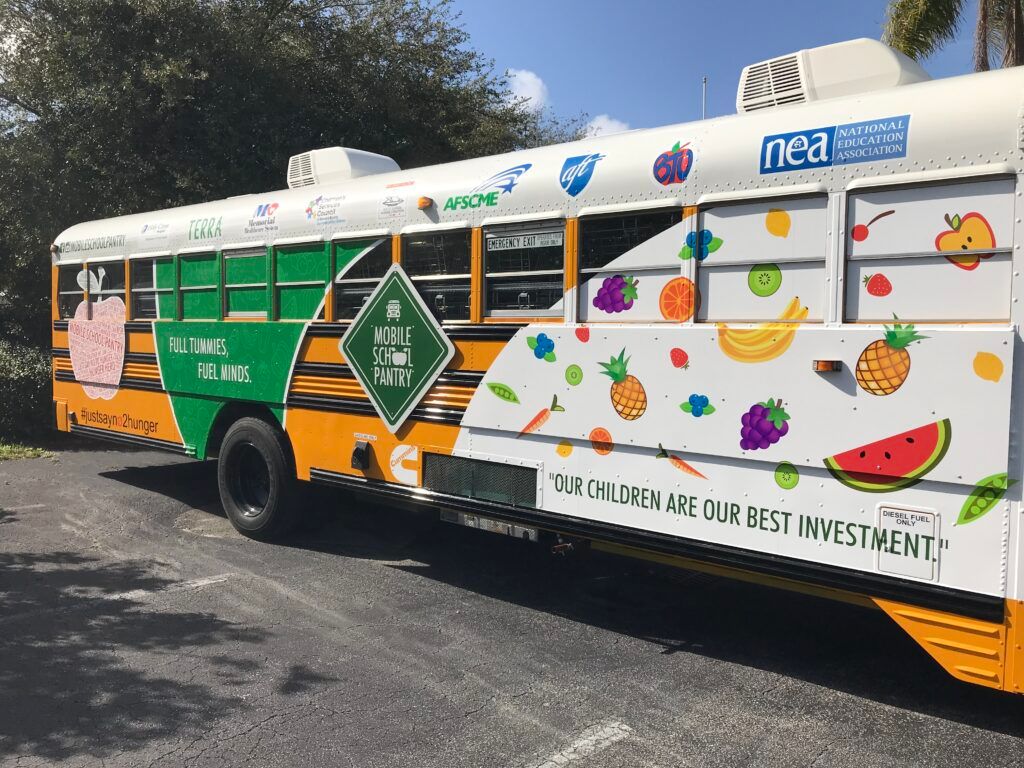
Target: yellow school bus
[[777, 345]]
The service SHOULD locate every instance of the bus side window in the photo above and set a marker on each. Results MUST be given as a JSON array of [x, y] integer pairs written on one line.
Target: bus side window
[[940, 253], [626, 260], [301, 278], [439, 265], [69, 292], [761, 261], [524, 266], [153, 288], [360, 265], [245, 283], [109, 281], [199, 286]]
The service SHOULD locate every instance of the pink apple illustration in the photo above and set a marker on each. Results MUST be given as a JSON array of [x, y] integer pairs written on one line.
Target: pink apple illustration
[[97, 346]]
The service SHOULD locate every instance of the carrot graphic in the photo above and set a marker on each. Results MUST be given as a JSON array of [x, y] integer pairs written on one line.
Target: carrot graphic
[[541, 418], [678, 463]]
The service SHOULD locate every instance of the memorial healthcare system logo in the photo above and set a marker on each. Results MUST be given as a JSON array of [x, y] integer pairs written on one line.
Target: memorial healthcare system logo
[[577, 171], [865, 142], [487, 193]]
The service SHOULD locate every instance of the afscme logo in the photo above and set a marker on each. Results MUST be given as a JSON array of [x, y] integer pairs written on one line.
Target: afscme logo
[[868, 141]]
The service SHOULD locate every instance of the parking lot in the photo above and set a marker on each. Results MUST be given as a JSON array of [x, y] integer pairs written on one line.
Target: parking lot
[[137, 628]]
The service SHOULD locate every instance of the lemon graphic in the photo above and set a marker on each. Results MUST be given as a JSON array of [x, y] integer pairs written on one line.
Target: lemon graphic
[[564, 449], [988, 366], [777, 222]]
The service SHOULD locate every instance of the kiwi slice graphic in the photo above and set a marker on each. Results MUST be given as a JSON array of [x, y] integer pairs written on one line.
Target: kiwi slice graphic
[[764, 279], [574, 375], [786, 476]]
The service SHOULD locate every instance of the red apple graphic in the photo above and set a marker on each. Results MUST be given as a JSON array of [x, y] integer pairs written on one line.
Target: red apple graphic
[[969, 232], [673, 167], [97, 346]]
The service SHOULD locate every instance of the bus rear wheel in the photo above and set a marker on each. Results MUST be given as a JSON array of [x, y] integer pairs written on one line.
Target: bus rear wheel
[[256, 481]]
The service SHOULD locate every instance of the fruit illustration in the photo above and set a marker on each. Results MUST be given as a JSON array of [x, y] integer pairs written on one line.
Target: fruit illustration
[[616, 294], [698, 405], [894, 462], [986, 494], [765, 342], [601, 441], [678, 300], [988, 366], [777, 222], [970, 232], [583, 334], [97, 345], [564, 449], [884, 365], [542, 346], [700, 244], [786, 476], [763, 425], [504, 391], [860, 232], [627, 393], [877, 284], [679, 358], [541, 418], [574, 375], [673, 167], [677, 462], [764, 279]]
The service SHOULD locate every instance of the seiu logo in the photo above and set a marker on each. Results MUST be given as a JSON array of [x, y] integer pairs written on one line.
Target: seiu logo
[[265, 210], [576, 172], [798, 151]]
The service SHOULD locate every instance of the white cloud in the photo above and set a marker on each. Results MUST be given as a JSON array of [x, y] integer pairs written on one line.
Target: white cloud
[[605, 124], [528, 85]]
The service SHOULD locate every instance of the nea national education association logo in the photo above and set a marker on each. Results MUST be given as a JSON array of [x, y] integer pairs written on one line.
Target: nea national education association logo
[[864, 142]]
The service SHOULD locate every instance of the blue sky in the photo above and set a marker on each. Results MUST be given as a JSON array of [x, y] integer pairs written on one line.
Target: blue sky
[[640, 62]]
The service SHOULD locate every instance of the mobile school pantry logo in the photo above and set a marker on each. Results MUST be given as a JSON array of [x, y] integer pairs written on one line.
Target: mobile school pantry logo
[[487, 193], [577, 172], [863, 142]]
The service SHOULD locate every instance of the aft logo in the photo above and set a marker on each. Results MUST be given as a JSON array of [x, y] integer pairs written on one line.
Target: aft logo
[[864, 142], [487, 193], [577, 172]]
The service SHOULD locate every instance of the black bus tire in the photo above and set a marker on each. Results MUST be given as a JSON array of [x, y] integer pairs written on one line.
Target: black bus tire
[[256, 480]]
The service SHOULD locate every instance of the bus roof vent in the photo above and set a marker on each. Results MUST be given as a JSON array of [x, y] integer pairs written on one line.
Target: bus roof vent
[[831, 71], [332, 164]]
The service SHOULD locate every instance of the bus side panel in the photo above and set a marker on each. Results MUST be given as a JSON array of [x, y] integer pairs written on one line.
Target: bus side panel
[[133, 412]]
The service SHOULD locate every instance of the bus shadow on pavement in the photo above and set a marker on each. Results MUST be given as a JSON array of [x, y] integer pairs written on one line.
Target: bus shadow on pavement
[[70, 626]]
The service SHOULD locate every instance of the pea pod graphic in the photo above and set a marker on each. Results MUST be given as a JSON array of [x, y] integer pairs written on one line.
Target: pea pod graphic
[[504, 391], [986, 494]]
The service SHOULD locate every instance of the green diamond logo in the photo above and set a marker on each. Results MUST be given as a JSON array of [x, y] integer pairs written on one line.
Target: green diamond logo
[[395, 348]]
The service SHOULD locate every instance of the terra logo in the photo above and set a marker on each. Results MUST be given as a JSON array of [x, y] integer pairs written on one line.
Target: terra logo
[[487, 193], [577, 171], [262, 211], [674, 166]]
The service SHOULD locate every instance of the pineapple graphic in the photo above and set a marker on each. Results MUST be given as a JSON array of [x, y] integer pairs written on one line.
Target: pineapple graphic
[[884, 364], [627, 393]]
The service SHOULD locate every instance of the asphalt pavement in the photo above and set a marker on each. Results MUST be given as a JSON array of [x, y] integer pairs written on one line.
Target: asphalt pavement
[[138, 629]]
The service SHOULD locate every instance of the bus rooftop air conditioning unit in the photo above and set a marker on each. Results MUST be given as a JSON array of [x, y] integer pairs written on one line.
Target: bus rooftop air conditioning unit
[[332, 164], [842, 69]]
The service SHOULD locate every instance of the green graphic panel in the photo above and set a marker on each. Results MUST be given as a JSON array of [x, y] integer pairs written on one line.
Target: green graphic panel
[[199, 270], [246, 269], [296, 265], [299, 302], [247, 299], [200, 304], [395, 348], [165, 305], [165, 276], [347, 251]]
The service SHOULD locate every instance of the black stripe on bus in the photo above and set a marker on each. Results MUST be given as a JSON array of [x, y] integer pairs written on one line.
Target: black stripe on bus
[[960, 602], [120, 437], [127, 382], [339, 371], [136, 326], [364, 408], [491, 332]]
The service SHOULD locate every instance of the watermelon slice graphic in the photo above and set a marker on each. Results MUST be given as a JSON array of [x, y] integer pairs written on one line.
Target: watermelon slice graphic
[[896, 462]]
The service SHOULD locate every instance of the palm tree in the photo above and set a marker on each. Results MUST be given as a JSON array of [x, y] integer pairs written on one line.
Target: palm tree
[[918, 28]]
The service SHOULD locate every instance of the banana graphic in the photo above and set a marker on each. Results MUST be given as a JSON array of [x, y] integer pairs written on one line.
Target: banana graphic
[[765, 342]]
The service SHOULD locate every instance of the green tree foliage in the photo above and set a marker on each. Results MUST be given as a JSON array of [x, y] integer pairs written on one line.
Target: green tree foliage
[[109, 107], [919, 28]]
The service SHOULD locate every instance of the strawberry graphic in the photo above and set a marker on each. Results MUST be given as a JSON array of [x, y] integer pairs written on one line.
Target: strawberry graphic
[[878, 285], [583, 334], [679, 358]]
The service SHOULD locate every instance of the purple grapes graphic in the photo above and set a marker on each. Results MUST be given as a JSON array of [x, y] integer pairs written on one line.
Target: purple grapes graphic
[[616, 294], [764, 424]]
